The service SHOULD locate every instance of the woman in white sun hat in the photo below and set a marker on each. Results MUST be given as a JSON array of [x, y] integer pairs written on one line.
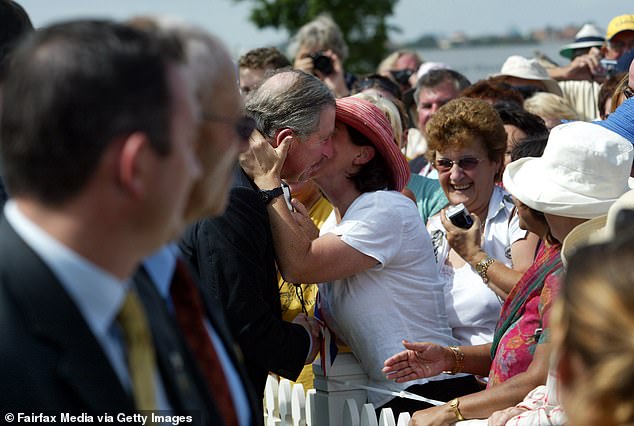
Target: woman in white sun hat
[[583, 171]]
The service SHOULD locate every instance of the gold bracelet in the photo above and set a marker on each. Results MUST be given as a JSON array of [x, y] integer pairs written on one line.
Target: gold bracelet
[[454, 405], [482, 267], [458, 357]]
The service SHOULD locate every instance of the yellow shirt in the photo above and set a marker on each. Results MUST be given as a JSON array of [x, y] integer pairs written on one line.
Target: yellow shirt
[[291, 294]]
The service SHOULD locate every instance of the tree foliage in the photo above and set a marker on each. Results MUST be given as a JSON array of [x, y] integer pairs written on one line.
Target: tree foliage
[[362, 22]]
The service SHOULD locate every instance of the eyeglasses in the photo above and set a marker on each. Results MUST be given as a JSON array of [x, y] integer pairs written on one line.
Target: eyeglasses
[[243, 126], [466, 163], [628, 92]]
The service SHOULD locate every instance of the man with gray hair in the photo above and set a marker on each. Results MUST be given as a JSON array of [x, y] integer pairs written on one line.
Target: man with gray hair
[[433, 90], [234, 253]]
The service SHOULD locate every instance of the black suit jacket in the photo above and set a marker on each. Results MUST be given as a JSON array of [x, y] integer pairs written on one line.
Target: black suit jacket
[[233, 255], [49, 358]]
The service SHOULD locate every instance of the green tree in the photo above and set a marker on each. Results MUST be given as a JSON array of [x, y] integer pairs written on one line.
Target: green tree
[[362, 22]]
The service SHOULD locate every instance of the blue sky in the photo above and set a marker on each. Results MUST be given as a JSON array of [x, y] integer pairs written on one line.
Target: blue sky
[[229, 20]]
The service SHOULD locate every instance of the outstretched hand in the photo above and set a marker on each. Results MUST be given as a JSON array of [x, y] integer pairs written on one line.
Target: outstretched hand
[[420, 360], [262, 162]]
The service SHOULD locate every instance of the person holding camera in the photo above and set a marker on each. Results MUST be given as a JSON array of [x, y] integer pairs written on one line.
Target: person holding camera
[[318, 48]]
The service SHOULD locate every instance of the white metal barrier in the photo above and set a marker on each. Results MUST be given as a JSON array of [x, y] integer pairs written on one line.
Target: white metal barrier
[[334, 402]]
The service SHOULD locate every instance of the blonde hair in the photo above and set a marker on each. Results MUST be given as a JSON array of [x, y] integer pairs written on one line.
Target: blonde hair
[[617, 96], [594, 319], [550, 107], [389, 109], [388, 63]]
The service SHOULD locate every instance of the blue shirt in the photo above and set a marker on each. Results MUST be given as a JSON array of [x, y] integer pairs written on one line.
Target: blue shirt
[[160, 267]]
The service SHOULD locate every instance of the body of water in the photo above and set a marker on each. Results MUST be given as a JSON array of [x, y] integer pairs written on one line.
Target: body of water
[[479, 62]]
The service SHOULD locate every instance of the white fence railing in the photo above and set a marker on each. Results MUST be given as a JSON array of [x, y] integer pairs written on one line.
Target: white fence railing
[[335, 401]]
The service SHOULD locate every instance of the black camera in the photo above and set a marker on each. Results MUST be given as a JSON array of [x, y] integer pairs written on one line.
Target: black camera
[[459, 216], [322, 63]]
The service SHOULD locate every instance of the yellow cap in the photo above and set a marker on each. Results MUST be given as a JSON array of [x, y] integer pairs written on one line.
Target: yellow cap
[[618, 24]]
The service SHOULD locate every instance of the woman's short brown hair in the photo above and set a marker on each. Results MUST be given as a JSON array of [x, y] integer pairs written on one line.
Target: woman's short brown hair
[[460, 122]]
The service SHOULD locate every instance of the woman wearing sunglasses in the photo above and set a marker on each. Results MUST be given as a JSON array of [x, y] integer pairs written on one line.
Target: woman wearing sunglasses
[[467, 143]]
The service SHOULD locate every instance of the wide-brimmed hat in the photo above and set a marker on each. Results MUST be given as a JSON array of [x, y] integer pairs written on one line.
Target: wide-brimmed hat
[[372, 123], [528, 69], [588, 36], [618, 24], [598, 230], [583, 170]]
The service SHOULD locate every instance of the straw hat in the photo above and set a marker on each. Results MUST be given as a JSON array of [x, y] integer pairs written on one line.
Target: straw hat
[[582, 172], [372, 123], [597, 230], [528, 69], [588, 36]]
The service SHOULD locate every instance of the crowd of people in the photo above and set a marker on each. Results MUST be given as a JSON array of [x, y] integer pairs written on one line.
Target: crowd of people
[[178, 224]]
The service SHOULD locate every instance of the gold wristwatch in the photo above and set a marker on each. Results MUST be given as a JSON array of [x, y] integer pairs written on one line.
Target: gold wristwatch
[[454, 405], [483, 266]]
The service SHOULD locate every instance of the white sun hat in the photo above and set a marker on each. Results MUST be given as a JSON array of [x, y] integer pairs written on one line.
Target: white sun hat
[[583, 171], [528, 69], [588, 36]]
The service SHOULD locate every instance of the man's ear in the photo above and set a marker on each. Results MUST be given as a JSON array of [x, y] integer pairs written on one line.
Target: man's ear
[[364, 155], [282, 134], [132, 162]]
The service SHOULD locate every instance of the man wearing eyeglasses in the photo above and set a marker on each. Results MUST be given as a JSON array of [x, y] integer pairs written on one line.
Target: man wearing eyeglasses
[[234, 253], [619, 37]]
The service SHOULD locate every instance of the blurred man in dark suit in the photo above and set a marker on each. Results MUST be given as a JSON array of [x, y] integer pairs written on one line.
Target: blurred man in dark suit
[[97, 133]]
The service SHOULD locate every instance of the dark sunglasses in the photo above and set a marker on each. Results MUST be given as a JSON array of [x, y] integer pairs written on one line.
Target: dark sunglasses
[[628, 92], [466, 163], [402, 76], [244, 126]]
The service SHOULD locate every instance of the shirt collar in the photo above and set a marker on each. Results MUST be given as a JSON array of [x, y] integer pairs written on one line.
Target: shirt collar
[[498, 203], [97, 293], [160, 267]]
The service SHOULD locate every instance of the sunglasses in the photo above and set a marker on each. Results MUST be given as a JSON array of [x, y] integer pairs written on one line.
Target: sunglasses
[[243, 126], [628, 92], [402, 76], [466, 163]]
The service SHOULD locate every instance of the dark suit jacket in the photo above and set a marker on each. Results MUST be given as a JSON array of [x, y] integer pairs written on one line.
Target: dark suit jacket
[[49, 358], [233, 254], [216, 319]]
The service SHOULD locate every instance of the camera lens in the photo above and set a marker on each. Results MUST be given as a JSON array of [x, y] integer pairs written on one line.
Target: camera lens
[[322, 63]]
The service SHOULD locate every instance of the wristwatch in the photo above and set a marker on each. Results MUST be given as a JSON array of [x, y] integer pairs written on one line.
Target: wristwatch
[[267, 195], [453, 404], [483, 266]]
